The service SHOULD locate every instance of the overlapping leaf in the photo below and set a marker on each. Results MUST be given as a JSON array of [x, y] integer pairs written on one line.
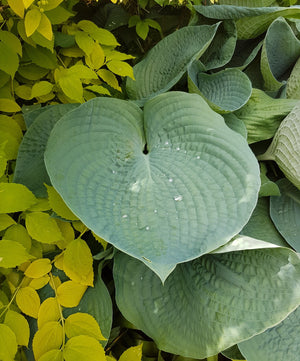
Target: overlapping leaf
[[231, 292], [197, 175]]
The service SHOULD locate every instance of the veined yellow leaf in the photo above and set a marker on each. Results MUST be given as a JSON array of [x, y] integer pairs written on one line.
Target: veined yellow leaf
[[79, 226], [83, 324], [11, 41], [27, 3], [67, 232], [5, 221], [120, 68], [78, 262], [109, 78], [8, 343], [36, 249], [41, 88], [38, 268], [83, 348], [10, 136], [69, 293], [96, 58], [32, 21], [9, 105], [18, 233], [100, 240], [45, 27], [49, 311], [51, 4], [12, 254], [58, 205], [49, 337], [3, 165], [17, 7], [110, 358], [58, 15], [19, 325], [84, 41], [23, 92], [41, 205], [71, 86], [103, 36], [42, 227], [38, 283], [52, 355], [15, 198], [97, 89], [132, 354], [28, 301], [82, 72], [59, 261]]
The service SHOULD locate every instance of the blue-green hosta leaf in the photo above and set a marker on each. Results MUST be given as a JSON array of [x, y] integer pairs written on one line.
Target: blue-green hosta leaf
[[222, 47], [280, 51], [285, 146], [293, 83], [211, 303], [263, 114], [248, 3], [225, 91], [245, 52], [192, 192], [250, 21], [166, 62], [30, 168], [285, 213], [280, 343], [236, 124], [260, 225]]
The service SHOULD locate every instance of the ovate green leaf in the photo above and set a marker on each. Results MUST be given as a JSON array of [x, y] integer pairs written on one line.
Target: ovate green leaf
[[32, 20], [43, 228], [12, 254], [6, 221], [102, 36], [10, 135], [15, 198], [293, 83], [82, 324], [19, 325], [41, 56], [9, 60], [132, 354], [11, 41], [8, 343]]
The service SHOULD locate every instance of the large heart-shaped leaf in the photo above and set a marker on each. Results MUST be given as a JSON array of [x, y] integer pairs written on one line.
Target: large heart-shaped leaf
[[285, 146], [30, 168], [280, 51], [225, 91], [278, 343], [192, 192], [166, 62], [211, 303], [293, 83], [285, 213]]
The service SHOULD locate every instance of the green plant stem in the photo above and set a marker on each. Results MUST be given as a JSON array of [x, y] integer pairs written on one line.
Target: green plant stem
[[13, 297]]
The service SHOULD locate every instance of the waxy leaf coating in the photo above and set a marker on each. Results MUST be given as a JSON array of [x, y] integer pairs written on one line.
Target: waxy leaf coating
[[192, 192]]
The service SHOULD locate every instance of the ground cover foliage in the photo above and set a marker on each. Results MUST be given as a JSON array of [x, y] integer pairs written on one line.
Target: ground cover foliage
[[149, 180]]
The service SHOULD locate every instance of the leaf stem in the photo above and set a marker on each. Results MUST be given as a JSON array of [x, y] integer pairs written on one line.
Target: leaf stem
[[13, 297]]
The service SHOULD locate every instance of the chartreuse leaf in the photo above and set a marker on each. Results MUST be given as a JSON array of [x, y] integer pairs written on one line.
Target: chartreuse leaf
[[49, 337], [158, 72], [280, 51], [102, 36], [84, 41], [27, 3], [41, 88], [179, 174], [120, 68], [109, 78], [132, 354], [41, 56], [48, 311], [18, 233], [6, 221], [38, 268], [52, 355], [28, 301], [19, 325], [11, 40], [267, 188], [32, 20], [10, 136], [15, 198], [45, 27], [293, 83], [69, 293], [96, 58], [12, 254], [278, 343], [9, 105], [30, 168], [263, 115], [82, 348], [285, 146], [285, 212], [78, 262], [58, 205], [83, 324], [225, 91], [8, 343], [234, 291], [58, 15], [260, 225], [38, 283], [17, 7], [42, 227], [51, 4]]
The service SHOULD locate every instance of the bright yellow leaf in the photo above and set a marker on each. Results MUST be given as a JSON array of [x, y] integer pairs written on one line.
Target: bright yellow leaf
[[52, 355], [85, 42], [69, 293], [49, 311], [100, 240], [58, 205], [78, 262], [19, 325], [41, 88], [67, 232], [18, 233], [39, 268], [45, 27], [96, 58], [59, 261], [12, 253], [83, 348], [10, 136], [38, 283], [3, 163], [27, 3], [83, 324], [110, 358], [49, 337], [55, 282], [42, 227], [132, 354], [28, 301], [32, 21], [102, 36], [15, 198], [6, 221], [79, 226], [51, 4], [41, 205], [8, 343], [120, 68], [17, 7], [9, 106], [71, 86]]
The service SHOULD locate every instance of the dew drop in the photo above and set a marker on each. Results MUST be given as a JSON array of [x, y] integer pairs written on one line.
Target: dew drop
[[132, 283], [166, 143], [198, 157], [178, 198], [155, 211], [124, 216], [114, 172], [170, 180], [147, 228], [177, 148]]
